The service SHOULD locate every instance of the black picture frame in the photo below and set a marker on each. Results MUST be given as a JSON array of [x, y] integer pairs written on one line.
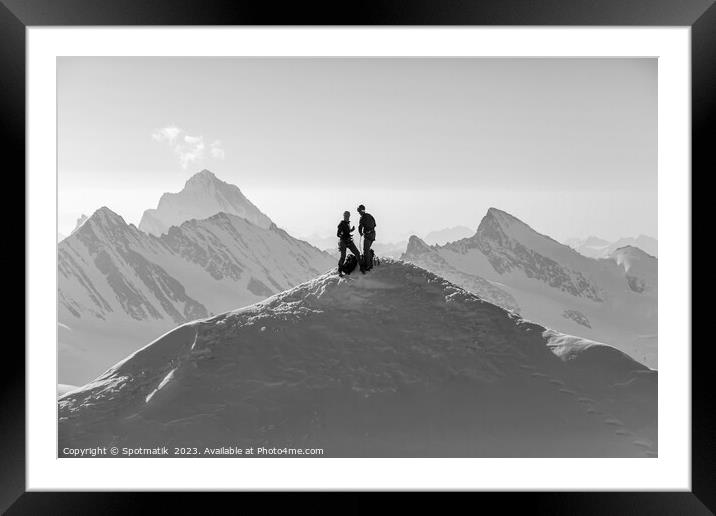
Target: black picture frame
[[16, 15]]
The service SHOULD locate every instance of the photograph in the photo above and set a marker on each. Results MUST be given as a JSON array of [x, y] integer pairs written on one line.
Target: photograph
[[357, 257]]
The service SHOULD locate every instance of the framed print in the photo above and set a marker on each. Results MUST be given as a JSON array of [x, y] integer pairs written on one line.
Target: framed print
[[418, 253]]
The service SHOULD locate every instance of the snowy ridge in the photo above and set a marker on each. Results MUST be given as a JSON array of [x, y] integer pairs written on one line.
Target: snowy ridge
[[419, 252], [399, 362]]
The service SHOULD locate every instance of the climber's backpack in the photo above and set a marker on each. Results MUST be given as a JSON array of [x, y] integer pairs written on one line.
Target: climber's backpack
[[350, 264]]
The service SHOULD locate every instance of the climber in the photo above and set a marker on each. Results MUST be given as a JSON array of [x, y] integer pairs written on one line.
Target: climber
[[346, 241], [366, 228]]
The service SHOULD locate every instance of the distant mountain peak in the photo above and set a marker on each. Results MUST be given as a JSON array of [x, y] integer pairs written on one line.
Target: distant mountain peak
[[497, 221], [81, 220], [504, 219], [500, 214], [105, 216], [416, 245], [451, 234], [595, 240], [101, 225], [203, 196], [595, 247], [492, 211], [203, 177], [498, 224]]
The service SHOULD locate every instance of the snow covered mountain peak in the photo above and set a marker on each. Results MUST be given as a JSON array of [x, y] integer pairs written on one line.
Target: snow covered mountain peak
[[501, 228], [103, 218], [610, 300], [203, 195], [501, 217], [347, 363], [204, 179], [205, 174], [509, 244], [104, 229]]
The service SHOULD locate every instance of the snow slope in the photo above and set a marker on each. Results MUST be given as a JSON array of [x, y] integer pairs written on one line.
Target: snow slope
[[119, 286], [63, 388], [428, 256], [395, 363], [203, 195], [552, 283]]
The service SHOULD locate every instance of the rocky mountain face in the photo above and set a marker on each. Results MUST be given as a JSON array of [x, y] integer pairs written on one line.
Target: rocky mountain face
[[399, 362], [510, 245], [553, 284], [203, 195], [119, 286]]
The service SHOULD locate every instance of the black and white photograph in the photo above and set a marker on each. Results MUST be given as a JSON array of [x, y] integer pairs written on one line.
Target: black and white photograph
[[409, 247], [363, 257]]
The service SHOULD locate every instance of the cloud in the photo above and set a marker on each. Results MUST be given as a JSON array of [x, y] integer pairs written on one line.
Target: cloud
[[217, 151], [189, 149], [168, 134]]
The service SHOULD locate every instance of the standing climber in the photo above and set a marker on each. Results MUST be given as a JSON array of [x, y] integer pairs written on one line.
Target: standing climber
[[366, 228], [346, 240]]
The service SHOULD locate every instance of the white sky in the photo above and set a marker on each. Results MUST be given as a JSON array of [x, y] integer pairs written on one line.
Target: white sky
[[567, 145]]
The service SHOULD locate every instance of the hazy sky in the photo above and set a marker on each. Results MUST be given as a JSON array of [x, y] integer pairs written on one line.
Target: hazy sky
[[567, 145]]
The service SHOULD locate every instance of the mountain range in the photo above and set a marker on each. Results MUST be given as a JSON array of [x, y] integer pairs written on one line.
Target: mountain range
[[595, 247], [611, 300], [119, 286], [443, 236]]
